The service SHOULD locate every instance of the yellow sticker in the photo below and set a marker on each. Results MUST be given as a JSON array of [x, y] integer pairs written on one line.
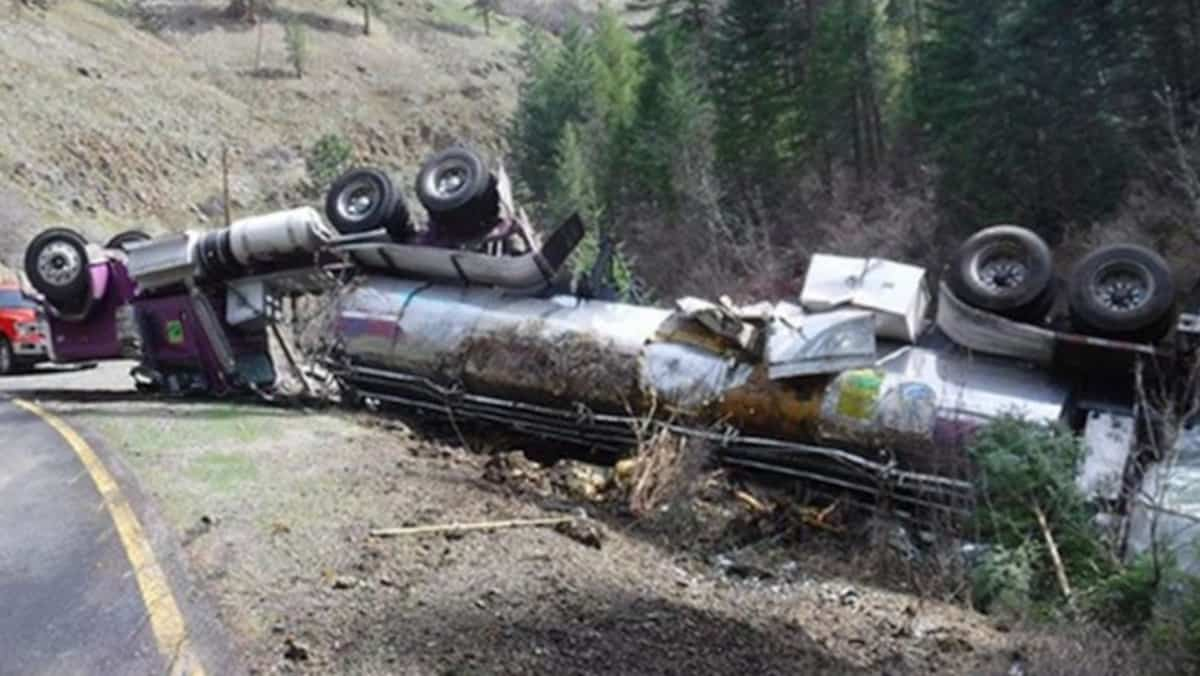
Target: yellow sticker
[[858, 394]]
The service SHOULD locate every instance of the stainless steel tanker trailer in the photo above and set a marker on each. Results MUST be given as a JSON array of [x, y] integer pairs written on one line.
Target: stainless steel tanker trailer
[[867, 385]]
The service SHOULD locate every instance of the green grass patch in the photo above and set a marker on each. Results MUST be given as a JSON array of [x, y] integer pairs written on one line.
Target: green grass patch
[[223, 471]]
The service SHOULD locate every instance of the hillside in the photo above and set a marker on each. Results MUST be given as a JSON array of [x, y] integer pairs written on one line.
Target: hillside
[[115, 113]]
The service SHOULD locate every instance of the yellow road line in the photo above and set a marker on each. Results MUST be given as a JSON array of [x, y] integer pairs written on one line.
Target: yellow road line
[[170, 630]]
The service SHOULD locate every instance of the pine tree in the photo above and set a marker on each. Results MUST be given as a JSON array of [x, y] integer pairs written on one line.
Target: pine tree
[[752, 85], [559, 88], [618, 76], [840, 96], [1021, 103], [673, 133], [575, 191]]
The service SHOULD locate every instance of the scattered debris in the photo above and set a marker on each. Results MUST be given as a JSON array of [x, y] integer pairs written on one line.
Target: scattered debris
[[345, 582], [203, 525], [752, 503], [585, 532], [1060, 572], [585, 482], [463, 527], [733, 568], [511, 467], [659, 473], [295, 650]]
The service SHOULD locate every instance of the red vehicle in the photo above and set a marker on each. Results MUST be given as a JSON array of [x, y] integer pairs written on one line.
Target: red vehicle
[[22, 343]]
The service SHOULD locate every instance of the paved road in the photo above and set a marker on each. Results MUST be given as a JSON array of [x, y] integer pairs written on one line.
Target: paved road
[[71, 603], [109, 377], [70, 599]]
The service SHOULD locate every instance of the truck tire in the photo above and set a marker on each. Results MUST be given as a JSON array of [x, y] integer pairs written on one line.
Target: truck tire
[[360, 200], [122, 239], [8, 362], [1122, 291], [459, 193], [1007, 270], [56, 263]]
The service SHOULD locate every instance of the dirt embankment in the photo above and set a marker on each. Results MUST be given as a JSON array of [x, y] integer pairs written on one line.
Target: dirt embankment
[[275, 509], [116, 112]]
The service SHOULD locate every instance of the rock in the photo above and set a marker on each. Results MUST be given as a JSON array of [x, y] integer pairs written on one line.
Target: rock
[[584, 482], [584, 532], [345, 582], [213, 207], [295, 651]]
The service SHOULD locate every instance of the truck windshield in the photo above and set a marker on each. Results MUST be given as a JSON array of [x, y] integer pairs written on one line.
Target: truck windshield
[[13, 298]]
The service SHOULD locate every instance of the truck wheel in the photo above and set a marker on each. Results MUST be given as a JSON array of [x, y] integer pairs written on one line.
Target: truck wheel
[[459, 193], [124, 239], [7, 360], [1004, 269], [57, 265], [360, 200], [1122, 291]]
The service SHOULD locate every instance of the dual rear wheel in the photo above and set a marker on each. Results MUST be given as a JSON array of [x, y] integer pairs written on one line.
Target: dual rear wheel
[[454, 186], [1121, 291]]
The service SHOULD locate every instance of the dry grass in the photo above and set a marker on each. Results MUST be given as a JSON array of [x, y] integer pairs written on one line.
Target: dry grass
[[660, 473], [1080, 649]]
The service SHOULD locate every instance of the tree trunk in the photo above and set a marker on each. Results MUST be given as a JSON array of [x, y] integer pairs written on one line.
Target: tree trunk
[[366, 17], [258, 50], [825, 168], [487, 22], [856, 123]]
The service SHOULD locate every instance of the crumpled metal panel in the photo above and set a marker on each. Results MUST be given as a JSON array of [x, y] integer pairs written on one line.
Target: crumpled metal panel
[[828, 342], [165, 260], [721, 321], [1109, 440], [690, 378], [991, 333], [895, 292]]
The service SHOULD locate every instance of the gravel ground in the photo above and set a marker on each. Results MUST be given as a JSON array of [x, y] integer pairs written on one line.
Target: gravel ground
[[275, 505]]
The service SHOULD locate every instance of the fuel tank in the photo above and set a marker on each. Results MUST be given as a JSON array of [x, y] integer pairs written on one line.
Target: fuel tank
[[816, 378]]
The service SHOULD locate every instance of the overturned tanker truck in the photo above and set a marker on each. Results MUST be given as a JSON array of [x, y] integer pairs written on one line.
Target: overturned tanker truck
[[868, 385]]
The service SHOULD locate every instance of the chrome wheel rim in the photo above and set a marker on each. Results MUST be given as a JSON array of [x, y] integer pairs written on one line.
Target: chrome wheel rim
[[59, 264], [1122, 287], [1002, 268], [5, 358], [451, 180], [359, 199]]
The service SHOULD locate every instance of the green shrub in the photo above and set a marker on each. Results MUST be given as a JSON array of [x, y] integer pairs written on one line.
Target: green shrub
[[1003, 581], [331, 155], [1176, 626], [1127, 598], [295, 38], [1025, 467]]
